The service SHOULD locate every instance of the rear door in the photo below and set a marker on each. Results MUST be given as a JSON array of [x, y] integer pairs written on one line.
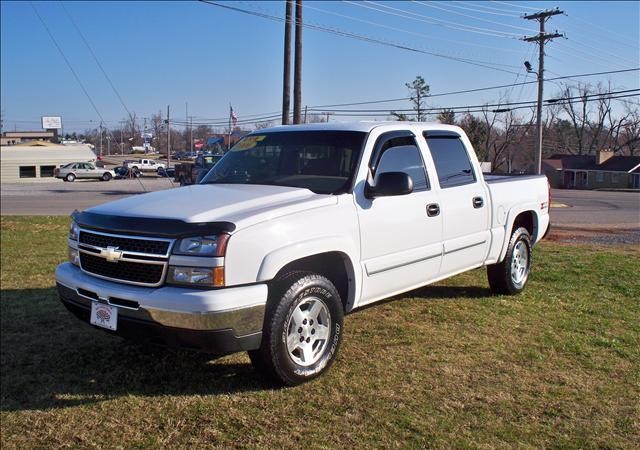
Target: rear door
[[400, 242], [464, 203]]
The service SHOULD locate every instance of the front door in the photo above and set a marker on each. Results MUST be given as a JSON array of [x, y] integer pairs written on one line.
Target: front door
[[400, 241]]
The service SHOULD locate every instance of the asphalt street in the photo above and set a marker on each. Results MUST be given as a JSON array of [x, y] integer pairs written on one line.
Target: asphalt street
[[570, 208]]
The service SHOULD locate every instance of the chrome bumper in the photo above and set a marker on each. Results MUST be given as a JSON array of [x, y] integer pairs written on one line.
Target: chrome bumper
[[240, 309]]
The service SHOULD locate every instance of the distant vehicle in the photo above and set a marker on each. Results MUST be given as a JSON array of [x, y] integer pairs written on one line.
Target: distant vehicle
[[83, 170], [169, 172], [192, 173], [145, 165], [124, 173]]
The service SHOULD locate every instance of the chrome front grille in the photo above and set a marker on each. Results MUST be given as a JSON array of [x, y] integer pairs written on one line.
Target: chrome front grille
[[135, 260]]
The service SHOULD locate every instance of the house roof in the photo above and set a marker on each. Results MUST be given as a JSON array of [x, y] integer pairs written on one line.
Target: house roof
[[588, 162], [620, 164]]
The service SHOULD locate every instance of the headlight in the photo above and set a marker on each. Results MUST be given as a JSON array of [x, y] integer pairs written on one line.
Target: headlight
[[199, 276], [201, 246], [73, 230]]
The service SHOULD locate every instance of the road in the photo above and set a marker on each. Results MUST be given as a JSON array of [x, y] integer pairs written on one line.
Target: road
[[583, 209], [595, 209], [58, 198]]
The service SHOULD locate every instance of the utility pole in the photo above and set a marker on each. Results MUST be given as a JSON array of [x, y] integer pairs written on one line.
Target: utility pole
[[191, 133], [541, 38], [286, 74], [305, 113], [101, 138], [186, 115], [168, 137], [297, 66], [122, 122]]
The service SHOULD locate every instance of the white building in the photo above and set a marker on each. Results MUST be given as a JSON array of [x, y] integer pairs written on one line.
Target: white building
[[36, 161]]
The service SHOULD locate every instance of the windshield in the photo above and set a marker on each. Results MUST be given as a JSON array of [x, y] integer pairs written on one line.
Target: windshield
[[321, 161]]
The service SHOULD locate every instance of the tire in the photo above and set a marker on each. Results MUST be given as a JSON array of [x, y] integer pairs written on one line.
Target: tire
[[106, 176], [511, 275], [70, 178], [302, 329]]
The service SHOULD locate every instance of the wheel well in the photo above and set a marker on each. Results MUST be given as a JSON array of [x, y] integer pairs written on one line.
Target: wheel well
[[528, 220], [333, 265]]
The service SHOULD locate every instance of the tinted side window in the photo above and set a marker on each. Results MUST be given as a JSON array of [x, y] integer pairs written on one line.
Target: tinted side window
[[405, 159], [451, 161]]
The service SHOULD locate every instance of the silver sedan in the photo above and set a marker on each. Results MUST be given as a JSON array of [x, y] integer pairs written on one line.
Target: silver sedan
[[83, 170]]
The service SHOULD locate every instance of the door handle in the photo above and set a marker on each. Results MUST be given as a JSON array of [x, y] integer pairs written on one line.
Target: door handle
[[433, 210], [478, 202]]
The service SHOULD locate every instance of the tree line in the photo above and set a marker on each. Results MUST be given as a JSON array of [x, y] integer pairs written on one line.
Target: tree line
[[583, 120]]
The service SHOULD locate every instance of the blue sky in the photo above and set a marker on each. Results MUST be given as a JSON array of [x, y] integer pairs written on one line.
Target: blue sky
[[159, 53]]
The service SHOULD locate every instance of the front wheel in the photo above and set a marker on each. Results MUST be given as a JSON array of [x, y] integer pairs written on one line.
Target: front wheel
[[510, 276], [302, 329]]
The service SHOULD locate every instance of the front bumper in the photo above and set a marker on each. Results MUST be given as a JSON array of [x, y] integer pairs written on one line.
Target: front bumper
[[219, 321]]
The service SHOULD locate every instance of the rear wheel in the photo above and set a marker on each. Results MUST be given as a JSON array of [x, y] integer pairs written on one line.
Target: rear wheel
[[71, 177], [510, 276], [106, 176], [302, 329]]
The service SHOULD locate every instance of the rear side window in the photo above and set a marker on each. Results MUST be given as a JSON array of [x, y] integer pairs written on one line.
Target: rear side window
[[451, 160]]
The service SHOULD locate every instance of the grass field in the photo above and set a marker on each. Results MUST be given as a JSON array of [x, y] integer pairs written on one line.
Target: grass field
[[440, 367]]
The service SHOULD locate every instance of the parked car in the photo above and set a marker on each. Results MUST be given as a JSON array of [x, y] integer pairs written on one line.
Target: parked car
[[145, 165], [125, 172], [295, 227], [83, 170], [169, 172]]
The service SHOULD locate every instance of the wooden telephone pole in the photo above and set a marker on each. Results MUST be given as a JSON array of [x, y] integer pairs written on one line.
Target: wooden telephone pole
[[541, 38], [297, 66], [286, 75]]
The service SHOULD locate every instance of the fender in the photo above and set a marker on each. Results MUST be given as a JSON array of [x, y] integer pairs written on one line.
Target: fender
[[511, 217], [274, 261]]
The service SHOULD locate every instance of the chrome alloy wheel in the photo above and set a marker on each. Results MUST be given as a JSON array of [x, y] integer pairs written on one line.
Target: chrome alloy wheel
[[520, 263], [308, 331]]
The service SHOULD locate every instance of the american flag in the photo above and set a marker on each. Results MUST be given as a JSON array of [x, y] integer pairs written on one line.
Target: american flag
[[233, 116]]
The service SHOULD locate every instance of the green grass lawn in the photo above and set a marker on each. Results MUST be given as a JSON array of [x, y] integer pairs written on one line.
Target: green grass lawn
[[444, 366]]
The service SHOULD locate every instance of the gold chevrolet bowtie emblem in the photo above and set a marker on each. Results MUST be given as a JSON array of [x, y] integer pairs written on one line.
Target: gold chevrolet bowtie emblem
[[111, 254]]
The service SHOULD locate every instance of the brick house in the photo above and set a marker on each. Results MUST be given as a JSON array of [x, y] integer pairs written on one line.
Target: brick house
[[601, 171]]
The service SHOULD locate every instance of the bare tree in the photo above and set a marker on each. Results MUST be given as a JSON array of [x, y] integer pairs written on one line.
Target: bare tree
[[629, 135], [447, 116]]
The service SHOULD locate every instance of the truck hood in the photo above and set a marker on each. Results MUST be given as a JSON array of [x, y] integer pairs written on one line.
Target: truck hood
[[240, 204]]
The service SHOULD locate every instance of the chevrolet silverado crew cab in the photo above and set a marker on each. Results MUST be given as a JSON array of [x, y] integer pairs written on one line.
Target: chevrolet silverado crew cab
[[295, 227]]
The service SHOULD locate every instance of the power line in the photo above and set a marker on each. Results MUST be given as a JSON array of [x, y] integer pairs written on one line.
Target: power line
[[520, 7], [426, 19], [67, 61], [436, 111], [453, 5], [429, 5], [368, 22], [360, 37], [95, 58], [466, 91], [486, 105]]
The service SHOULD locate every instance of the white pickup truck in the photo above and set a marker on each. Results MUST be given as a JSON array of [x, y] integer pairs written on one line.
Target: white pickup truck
[[145, 165], [293, 228]]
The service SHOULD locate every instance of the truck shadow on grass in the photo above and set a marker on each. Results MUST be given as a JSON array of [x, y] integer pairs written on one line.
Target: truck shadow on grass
[[51, 360]]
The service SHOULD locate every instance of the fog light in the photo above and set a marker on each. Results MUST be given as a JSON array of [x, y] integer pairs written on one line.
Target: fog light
[[202, 276], [74, 256]]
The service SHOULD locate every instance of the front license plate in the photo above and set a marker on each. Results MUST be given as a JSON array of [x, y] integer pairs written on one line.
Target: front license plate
[[104, 316]]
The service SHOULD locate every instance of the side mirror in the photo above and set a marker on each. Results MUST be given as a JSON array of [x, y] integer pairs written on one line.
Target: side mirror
[[390, 184]]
